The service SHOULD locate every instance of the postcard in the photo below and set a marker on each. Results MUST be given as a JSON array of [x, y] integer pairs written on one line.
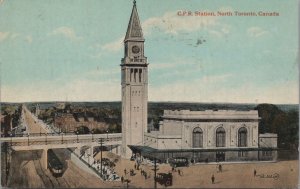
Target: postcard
[[149, 94]]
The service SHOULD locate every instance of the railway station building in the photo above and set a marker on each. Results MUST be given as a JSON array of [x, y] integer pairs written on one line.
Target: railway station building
[[210, 136], [200, 136]]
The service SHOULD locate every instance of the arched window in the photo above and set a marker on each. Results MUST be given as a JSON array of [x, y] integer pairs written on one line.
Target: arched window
[[197, 138], [140, 75], [131, 75], [135, 75], [242, 137], [220, 137]]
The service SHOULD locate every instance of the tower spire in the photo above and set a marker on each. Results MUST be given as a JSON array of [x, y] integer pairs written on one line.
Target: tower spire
[[134, 86], [134, 29]]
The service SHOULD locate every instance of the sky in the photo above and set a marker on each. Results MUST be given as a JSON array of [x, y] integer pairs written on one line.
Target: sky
[[71, 50]]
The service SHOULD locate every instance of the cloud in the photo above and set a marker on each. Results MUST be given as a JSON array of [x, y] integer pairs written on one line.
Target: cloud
[[161, 66], [114, 46], [206, 89], [14, 36], [76, 90], [66, 32], [94, 85], [3, 36], [256, 32], [171, 23], [210, 89], [29, 38]]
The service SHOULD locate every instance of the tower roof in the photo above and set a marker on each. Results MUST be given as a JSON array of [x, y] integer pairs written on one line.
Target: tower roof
[[134, 29]]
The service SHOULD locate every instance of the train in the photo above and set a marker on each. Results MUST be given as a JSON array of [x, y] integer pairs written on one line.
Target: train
[[179, 162], [54, 164]]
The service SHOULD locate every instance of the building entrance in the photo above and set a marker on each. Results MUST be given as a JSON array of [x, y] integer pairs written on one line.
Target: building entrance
[[220, 156]]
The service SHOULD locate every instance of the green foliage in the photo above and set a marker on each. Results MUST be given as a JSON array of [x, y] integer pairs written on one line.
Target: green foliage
[[10, 110], [285, 124], [83, 130]]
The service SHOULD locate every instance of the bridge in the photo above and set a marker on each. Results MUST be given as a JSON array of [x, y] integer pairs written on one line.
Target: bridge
[[47, 141], [48, 138], [39, 141]]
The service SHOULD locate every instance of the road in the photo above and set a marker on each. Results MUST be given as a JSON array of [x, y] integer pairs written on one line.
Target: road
[[238, 175], [33, 125], [26, 170]]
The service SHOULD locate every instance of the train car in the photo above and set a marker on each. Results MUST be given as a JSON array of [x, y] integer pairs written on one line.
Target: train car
[[164, 179], [54, 164], [179, 162]]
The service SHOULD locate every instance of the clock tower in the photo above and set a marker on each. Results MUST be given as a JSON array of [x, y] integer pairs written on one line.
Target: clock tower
[[134, 70]]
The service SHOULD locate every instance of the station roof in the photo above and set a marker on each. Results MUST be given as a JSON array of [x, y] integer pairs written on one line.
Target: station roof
[[153, 151]]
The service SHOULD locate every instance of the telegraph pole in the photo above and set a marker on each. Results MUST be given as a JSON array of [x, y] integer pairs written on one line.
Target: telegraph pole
[[101, 143], [6, 162], [155, 170]]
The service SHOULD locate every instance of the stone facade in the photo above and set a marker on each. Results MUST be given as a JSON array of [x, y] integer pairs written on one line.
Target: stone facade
[[223, 135], [134, 70]]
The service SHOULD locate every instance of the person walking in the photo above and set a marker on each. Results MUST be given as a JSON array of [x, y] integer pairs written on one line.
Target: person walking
[[254, 173], [125, 171], [220, 168], [122, 179], [213, 179]]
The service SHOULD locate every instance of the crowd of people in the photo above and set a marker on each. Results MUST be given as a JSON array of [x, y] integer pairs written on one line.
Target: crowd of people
[[108, 169], [134, 171]]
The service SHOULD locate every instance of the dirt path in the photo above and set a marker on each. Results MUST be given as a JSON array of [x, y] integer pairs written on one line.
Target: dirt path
[[233, 175], [26, 171]]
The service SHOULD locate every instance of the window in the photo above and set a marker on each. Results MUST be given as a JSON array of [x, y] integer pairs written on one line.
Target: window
[[131, 73], [267, 153], [197, 138], [242, 137], [140, 75], [135, 74], [123, 75], [220, 137], [242, 154]]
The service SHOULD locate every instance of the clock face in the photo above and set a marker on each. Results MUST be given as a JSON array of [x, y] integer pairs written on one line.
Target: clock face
[[135, 49]]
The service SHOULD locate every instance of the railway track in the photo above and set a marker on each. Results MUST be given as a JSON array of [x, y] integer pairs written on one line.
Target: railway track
[[44, 176]]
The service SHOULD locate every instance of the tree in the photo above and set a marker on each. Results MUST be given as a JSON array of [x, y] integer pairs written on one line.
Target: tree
[[285, 124]]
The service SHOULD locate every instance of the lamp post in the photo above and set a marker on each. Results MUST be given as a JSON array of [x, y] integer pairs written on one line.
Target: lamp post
[[101, 143], [89, 159], [155, 169], [62, 137], [92, 136], [46, 138], [28, 139], [77, 136], [10, 139]]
